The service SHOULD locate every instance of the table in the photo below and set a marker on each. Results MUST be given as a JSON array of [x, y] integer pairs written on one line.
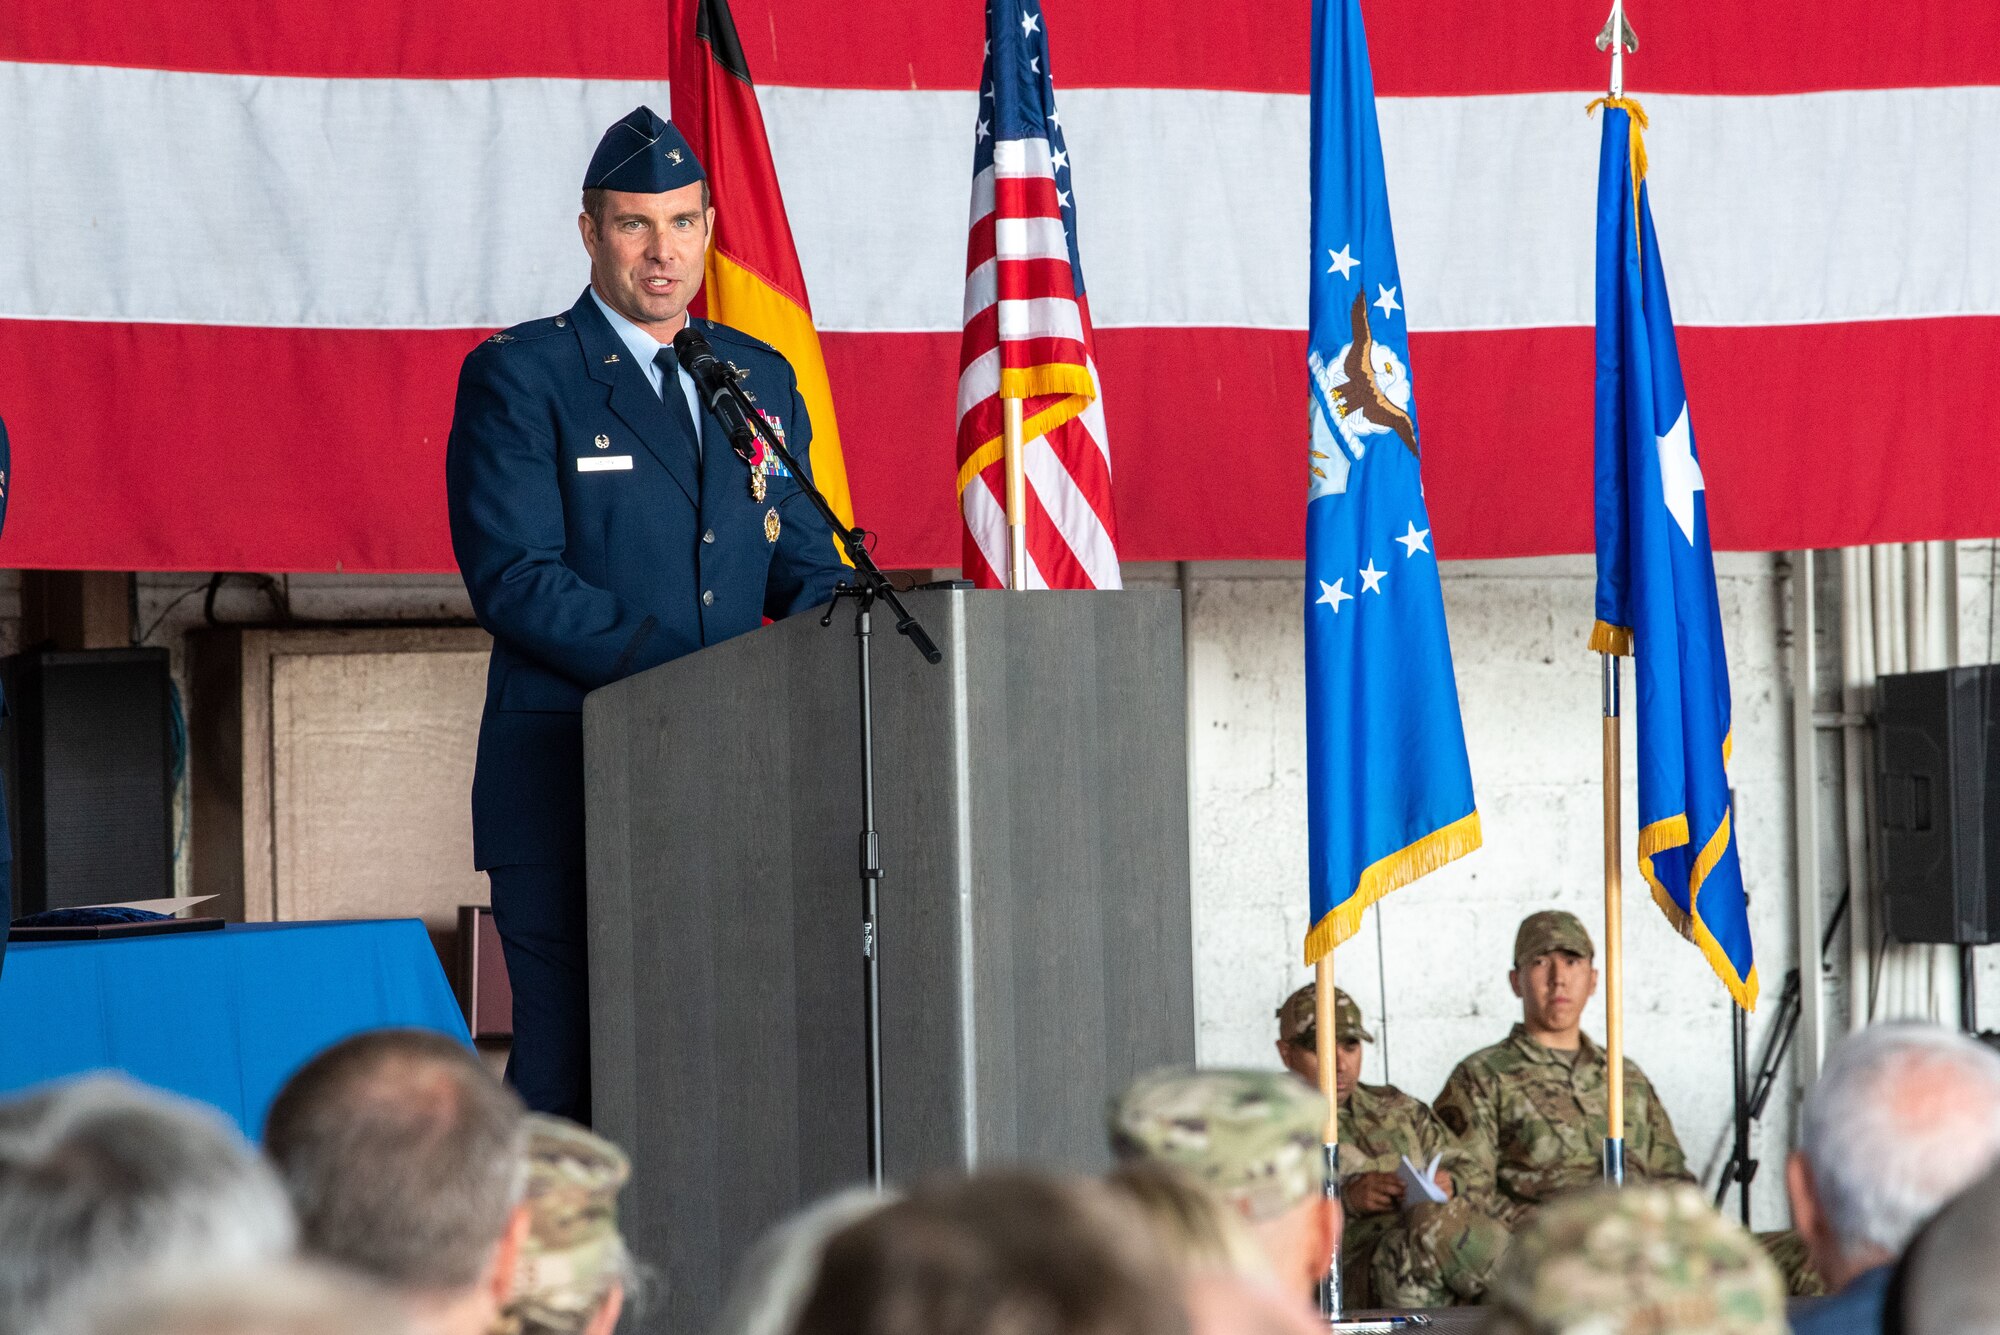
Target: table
[[225, 1016]]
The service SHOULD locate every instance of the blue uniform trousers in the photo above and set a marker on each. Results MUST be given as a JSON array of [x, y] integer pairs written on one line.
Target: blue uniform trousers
[[541, 913]]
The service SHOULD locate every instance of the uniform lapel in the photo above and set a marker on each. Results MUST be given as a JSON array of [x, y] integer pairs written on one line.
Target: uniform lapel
[[609, 362]]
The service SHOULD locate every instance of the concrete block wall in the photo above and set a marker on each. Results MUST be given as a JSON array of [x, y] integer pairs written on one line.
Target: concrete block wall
[[1429, 968]]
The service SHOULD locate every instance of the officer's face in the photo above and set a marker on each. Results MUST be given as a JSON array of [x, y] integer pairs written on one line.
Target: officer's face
[[647, 253], [1553, 989]]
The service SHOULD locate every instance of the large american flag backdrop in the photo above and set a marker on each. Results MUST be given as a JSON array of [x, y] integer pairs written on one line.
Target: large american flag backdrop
[[244, 246]]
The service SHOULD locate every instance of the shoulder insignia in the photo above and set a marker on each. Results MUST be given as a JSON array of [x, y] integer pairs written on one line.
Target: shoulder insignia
[[502, 337]]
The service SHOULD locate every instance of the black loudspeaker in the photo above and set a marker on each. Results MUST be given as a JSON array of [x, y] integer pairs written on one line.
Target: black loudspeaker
[[1937, 813], [88, 746]]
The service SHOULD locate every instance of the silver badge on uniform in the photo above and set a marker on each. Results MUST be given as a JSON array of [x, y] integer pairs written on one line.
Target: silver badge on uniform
[[602, 442]]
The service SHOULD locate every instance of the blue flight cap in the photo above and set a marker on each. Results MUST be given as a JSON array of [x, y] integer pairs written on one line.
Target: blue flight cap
[[643, 155]]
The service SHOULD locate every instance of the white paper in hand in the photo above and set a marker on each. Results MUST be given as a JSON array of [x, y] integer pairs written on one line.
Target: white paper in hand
[[1418, 1183]]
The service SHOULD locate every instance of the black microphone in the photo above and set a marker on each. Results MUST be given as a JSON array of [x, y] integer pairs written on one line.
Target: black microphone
[[713, 382]]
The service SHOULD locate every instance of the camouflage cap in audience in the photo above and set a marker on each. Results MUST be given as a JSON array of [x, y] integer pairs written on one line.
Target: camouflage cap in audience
[[1551, 929], [1298, 1015], [1652, 1260], [573, 1251], [1251, 1136]]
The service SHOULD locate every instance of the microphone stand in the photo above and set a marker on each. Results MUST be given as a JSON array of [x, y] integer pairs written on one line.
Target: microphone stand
[[867, 587]]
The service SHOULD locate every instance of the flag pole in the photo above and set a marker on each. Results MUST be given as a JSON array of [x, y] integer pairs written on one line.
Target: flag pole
[[1017, 495], [1618, 38], [1614, 940], [1325, 1045]]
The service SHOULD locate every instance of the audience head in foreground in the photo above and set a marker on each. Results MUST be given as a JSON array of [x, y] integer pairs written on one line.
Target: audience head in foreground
[[406, 1163], [1946, 1281], [287, 1299], [996, 1254], [1645, 1260], [1221, 1304], [103, 1183], [1254, 1139], [778, 1275], [574, 1271], [1904, 1116], [1199, 1232]]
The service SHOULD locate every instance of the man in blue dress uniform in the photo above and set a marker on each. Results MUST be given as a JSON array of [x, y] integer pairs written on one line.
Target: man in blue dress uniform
[[604, 525]]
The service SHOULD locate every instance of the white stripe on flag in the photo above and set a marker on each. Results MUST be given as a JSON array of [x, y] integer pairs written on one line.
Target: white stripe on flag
[[986, 521], [1071, 513], [1023, 157], [145, 195], [978, 382], [1030, 239], [1041, 317]]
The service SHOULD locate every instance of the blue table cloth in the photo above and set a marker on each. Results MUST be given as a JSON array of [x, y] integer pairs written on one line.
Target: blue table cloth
[[221, 1016]]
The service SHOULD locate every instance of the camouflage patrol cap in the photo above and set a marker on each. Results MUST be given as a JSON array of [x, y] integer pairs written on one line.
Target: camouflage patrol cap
[[573, 1252], [1653, 1260], [1552, 929], [1252, 1137], [1299, 1014]]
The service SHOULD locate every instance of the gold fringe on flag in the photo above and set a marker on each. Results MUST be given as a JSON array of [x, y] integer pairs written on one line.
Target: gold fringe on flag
[[1397, 870], [1606, 638]]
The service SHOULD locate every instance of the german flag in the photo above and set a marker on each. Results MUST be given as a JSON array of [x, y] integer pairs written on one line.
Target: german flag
[[753, 282]]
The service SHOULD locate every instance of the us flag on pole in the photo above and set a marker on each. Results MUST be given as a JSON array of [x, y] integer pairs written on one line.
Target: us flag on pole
[[1027, 331]]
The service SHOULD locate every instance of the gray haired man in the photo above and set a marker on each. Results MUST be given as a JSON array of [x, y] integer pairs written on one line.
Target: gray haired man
[[104, 1183], [1903, 1118], [407, 1164]]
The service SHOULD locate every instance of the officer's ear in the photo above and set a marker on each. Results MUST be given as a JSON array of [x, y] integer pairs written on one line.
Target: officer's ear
[[709, 244], [1514, 980]]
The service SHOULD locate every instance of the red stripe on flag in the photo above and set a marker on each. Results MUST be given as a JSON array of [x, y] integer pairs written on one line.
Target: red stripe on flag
[[1419, 47], [346, 466]]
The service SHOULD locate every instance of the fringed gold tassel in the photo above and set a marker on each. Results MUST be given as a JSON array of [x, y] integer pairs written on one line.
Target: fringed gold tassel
[[1426, 855], [1606, 638]]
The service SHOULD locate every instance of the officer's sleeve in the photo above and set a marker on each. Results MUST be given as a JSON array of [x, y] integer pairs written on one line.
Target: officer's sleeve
[[505, 501], [1469, 1106], [805, 567], [1661, 1159]]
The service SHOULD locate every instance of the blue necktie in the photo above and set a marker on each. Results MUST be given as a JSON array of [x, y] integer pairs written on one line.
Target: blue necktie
[[675, 400]]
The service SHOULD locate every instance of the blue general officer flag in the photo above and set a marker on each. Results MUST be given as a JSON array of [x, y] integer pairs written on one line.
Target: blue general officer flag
[[1389, 790], [1656, 595]]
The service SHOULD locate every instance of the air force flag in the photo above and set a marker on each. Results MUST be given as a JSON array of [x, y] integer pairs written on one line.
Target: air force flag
[[1656, 594], [1389, 790]]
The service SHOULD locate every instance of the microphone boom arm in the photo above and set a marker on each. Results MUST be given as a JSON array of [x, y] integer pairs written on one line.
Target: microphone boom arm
[[719, 383]]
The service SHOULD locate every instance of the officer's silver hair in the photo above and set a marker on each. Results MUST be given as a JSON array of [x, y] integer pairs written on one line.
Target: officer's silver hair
[[103, 1182], [284, 1299], [1904, 1116], [778, 1276]]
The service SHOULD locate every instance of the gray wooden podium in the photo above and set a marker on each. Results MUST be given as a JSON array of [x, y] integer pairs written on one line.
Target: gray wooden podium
[[1036, 954]]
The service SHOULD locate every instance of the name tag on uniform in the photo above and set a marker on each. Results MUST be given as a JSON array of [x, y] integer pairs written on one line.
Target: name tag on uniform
[[603, 463]]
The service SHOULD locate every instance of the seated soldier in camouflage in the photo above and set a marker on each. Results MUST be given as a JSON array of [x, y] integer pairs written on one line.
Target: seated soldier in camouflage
[[1530, 1112], [1393, 1253]]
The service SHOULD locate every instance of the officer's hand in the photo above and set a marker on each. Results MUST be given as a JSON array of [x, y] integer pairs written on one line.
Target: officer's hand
[[1443, 1180], [1372, 1193]]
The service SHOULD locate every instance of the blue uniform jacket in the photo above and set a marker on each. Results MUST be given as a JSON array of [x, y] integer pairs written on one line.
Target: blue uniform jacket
[[595, 545]]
